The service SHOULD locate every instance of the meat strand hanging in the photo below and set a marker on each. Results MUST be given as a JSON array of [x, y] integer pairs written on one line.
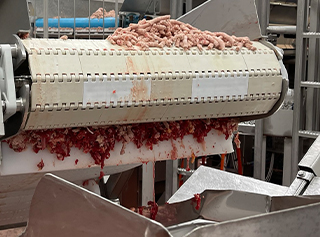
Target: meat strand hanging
[[99, 141]]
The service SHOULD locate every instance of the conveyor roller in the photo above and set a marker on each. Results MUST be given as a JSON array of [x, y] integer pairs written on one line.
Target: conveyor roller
[[88, 83]]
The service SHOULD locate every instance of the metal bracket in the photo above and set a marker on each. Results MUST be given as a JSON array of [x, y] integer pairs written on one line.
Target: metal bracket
[[300, 184], [19, 53], [8, 93], [307, 176], [17, 122]]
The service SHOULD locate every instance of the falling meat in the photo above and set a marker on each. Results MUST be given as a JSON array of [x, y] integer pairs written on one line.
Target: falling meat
[[99, 141], [163, 31]]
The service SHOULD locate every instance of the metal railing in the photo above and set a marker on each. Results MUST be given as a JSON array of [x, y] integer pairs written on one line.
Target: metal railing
[[74, 32], [306, 117]]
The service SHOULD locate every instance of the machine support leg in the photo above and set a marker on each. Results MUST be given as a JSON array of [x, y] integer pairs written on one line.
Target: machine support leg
[[147, 183], [286, 176], [259, 151], [171, 178]]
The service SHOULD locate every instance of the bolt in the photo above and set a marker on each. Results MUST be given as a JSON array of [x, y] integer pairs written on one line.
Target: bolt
[[301, 173]]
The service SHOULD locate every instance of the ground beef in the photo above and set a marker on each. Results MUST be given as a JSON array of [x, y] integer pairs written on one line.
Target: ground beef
[[99, 141]]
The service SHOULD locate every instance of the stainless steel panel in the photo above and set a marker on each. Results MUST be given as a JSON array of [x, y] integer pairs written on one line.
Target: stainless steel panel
[[311, 160], [295, 222], [279, 124], [181, 230], [235, 18], [140, 6], [9, 26], [277, 10], [17, 190], [205, 178], [60, 208], [282, 203], [314, 187]]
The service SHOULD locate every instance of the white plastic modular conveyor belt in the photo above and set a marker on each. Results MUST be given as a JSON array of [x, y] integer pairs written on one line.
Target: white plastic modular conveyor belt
[[88, 83]]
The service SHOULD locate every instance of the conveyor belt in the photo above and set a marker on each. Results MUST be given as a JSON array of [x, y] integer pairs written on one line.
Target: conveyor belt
[[91, 82]]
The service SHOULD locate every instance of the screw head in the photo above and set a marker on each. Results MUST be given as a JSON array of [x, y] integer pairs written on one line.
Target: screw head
[[301, 173]]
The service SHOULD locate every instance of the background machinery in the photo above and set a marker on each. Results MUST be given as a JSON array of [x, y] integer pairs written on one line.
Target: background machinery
[[85, 82]]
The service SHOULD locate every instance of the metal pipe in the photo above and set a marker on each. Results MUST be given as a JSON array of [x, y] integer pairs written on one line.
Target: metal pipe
[[171, 185], [176, 8], [173, 8], [45, 19], [74, 19], [258, 149], [103, 20], [315, 24], [263, 10], [311, 110], [116, 15], [147, 183], [20, 104], [290, 30], [89, 20], [58, 18], [287, 149], [300, 72], [188, 5], [14, 50]]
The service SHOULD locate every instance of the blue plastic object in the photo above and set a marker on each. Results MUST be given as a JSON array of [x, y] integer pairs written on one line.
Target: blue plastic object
[[79, 22]]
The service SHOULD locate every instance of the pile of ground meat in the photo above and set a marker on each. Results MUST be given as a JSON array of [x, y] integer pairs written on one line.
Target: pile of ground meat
[[163, 31]]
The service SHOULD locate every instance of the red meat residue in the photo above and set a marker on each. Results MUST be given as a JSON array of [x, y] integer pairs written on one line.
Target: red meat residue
[[40, 165], [197, 199], [101, 175], [76, 161], [153, 210]]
